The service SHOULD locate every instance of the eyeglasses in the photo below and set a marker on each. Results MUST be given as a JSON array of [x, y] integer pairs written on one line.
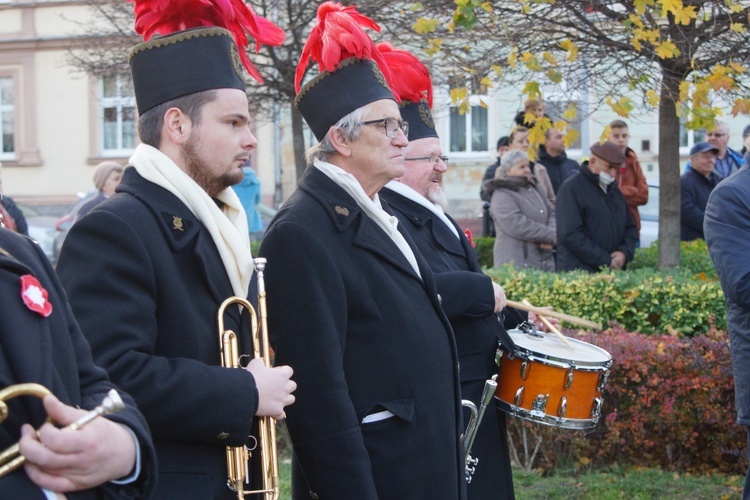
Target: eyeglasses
[[391, 126], [433, 159], [715, 134]]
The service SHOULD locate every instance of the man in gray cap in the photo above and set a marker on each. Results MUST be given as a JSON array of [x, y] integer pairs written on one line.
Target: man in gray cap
[[695, 186], [594, 227]]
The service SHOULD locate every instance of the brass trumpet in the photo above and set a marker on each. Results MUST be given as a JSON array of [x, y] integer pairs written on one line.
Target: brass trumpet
[[467, 438], [10, 458], [239, 456]]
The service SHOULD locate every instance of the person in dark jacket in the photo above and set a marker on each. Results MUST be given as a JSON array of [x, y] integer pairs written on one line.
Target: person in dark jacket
[[488, 228], [552, 155], [41, 343], [107, 175], [148, 268], [594, 227], [14, 218], [695, 186], [727, 231], [358, 315]]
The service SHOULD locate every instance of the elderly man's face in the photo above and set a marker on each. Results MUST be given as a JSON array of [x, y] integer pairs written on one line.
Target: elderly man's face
[[703, 163], [424, 169], [718, 138], [377, 158]]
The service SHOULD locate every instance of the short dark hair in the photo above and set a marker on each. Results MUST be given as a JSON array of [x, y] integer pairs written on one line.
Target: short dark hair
[[503, 141], [150, 123], [618, 124]]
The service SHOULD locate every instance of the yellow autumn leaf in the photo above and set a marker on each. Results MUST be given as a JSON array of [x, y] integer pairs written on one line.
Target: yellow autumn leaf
[[652, 97], [667, 50], [536, 135], [531, 61], [660, 347], [636, 20], [684, 15], [532, 90], [720, 80], [584, 460], [739, 68], [434, 46], [486, 82], [636, 43], [741, 106], [684, 90], [622, 107], [640, 5], [513, 57], [570, 137], [605, 134], [570, 111], [568, 46], [459, 94], [424, 26], [672, 6], [737, 27], [497, 69], [560, 125], [483, 104], [549, 58], [554, 76]]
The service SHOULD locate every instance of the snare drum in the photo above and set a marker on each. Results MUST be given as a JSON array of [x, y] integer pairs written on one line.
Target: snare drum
[[544, 381]]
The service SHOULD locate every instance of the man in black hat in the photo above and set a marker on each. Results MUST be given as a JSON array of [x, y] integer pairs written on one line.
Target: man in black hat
[[378, 409], [594, 227], [147, 269], [695, 187]]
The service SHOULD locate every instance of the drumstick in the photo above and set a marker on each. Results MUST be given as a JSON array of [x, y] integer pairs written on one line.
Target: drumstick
[[551, 327], [554, 314]]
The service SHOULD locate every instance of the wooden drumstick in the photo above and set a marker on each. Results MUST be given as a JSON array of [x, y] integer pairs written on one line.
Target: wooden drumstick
[[551, 327], [575, 320]]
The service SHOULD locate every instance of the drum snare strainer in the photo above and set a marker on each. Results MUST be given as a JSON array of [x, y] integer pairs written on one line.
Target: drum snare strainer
[[546, 382]]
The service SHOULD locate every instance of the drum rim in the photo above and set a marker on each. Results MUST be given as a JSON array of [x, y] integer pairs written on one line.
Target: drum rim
[[549, 420], [557, 360]]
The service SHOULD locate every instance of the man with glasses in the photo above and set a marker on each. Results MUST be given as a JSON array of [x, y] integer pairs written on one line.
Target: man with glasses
[[695, 187], [728, 161], [594, 227], [353, 305]]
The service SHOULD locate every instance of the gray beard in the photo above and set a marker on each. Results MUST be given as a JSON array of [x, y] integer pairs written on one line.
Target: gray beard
[[437, 196]]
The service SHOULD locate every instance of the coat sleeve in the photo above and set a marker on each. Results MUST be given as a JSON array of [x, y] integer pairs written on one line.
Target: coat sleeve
[[727, 230], [572, 233], [508, 216], [322, 422], [465, 294], [691, 215], [636, 194], [111, 280], [630, 237]]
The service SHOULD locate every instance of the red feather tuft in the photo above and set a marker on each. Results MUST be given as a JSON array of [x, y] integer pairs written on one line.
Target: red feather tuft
[[164, 17], [338, 35], [410, 79]]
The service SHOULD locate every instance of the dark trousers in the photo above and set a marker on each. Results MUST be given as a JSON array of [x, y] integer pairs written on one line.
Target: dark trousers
[[746, 489]]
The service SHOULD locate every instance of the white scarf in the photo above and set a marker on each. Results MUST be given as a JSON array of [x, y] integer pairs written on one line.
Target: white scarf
[[228, 227], [411, 194], [371, 207]]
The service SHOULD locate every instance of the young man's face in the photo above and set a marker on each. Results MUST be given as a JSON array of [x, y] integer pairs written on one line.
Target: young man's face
[[220, 144], [554, 143], [619, 137]]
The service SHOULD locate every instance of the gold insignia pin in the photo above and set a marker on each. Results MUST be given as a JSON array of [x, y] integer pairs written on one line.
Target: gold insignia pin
[[177, 223], [342, 210]]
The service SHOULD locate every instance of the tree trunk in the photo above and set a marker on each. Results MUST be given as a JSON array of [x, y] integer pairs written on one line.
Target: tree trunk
[[298, 139], [669, 175]]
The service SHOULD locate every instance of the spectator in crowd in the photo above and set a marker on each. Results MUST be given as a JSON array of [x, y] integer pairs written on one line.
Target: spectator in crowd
[[107, 176], [519, 141], [248, 191], [630, 178], [488, 228], [40, 341], [372, 419], [727, 230], [552, 155], [533, 109], [594, 227], [524, 219], [728, 161], [745, 141], [11, 214], [148, 269], [695, 186], [470, 299]]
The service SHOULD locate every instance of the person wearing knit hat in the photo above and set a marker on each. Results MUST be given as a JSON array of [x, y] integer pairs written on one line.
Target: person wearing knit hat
[[594, 226], [148, 269], [470, 298], [107, 176], [378, 409]]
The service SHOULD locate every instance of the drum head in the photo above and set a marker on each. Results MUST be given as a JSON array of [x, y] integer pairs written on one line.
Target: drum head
[[549, 346]]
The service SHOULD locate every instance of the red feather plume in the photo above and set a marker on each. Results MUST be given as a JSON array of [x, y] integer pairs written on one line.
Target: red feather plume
[[164, 17], [410, 79], [338, 35]]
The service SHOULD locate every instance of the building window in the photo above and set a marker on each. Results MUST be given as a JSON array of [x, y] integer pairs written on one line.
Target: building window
[[469, 132], [7, 110], [690, 137], [118, 115]]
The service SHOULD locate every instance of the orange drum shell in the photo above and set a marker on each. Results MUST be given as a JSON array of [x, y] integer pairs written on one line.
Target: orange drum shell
[[545, 379]]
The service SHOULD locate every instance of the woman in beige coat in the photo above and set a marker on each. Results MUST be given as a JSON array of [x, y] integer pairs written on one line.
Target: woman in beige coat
[[524, 218]]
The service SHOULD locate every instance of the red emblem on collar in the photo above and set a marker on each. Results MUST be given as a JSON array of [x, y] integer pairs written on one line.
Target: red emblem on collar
[[467, 232], [35, 296]]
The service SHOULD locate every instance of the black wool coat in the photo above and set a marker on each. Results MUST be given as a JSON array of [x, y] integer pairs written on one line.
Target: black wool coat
[[469, 301], [51, 351], [695, 189], [145, 280], [364, 334], [591, 224]]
